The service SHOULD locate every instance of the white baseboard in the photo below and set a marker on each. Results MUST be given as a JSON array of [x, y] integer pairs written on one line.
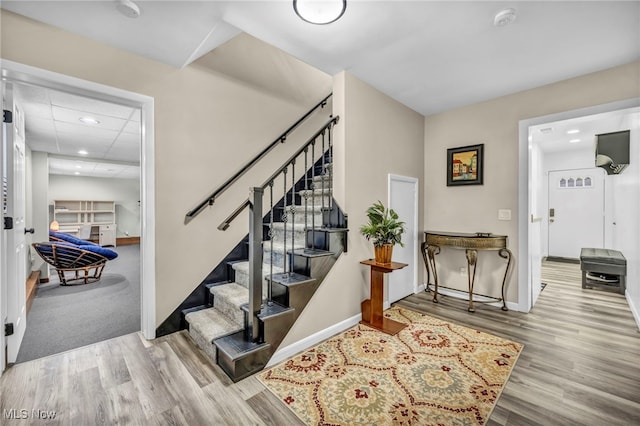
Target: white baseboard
[[635, 310], [304, 344], [464, 296]]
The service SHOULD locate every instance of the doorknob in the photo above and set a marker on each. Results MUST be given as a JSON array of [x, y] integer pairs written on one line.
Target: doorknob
[[551, 220], [29, 230]]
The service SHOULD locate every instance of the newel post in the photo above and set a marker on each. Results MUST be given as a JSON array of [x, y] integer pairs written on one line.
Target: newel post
[[255, 262]]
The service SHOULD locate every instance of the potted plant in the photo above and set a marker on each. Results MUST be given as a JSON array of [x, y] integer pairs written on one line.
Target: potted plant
[[384, 229]]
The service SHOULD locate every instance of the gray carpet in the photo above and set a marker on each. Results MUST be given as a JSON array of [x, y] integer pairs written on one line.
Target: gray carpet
[[68, 317]]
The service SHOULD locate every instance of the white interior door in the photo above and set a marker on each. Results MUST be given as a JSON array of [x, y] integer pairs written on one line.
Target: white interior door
[[576, 211], [3, 239], [535, 221], [16, 253], [403, 199]]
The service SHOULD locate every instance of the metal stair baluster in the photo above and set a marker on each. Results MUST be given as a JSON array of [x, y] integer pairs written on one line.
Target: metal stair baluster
[[270, 234], [293, 215], [313, 199], [330, 151], [306, 190], [323, 170], [285, 218]]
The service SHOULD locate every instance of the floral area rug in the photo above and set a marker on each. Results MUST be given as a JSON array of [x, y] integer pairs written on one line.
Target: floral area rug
[[430, 373]]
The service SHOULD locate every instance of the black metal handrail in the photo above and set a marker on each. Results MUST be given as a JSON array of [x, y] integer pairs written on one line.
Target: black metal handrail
[[225, 224], [244, 169]]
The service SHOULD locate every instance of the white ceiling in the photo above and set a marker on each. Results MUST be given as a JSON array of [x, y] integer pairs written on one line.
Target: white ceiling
[[430, 55], [555, 136]]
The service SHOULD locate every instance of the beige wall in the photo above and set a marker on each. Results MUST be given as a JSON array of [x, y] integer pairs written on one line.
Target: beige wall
[[376, 136], [207, 124], [495, 123]]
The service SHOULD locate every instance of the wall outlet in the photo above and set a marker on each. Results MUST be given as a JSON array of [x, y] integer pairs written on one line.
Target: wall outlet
[[463, 272], [504, 214]]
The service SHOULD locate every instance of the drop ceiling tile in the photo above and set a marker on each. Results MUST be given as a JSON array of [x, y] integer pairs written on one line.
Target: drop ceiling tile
[[94, 106], [132, 127], [72, 116]]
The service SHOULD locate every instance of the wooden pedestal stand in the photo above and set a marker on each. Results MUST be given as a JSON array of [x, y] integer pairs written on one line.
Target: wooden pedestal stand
[[372, 308]]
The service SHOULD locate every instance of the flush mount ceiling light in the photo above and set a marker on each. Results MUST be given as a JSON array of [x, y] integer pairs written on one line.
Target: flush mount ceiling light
[[319, 12], [89, 120], [573, 131], [574, 141], [83, 152], [128, 8], [504, 17]]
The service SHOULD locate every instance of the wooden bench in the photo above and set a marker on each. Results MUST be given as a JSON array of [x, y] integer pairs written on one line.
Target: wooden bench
[[603, 268]]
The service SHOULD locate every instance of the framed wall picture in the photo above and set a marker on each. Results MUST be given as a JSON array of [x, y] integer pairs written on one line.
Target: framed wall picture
[[465, 165]]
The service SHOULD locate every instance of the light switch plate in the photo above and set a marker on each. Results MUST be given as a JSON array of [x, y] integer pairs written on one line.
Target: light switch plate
[[504, 214]]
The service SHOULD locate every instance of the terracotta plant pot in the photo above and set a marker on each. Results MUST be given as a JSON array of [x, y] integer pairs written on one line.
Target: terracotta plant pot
[[383, 253]]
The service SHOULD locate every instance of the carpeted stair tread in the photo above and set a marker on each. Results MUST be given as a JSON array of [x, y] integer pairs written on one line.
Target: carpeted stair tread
[[297, 227], [279, 247], [208, 324], [233, 293], [211, 323], [243, 266], [228, 298]]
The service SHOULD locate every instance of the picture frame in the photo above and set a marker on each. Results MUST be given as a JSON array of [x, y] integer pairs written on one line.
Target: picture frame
[[465, 165]]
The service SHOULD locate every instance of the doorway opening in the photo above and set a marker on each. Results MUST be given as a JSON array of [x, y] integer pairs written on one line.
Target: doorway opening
[[65, 164], [558, 151]]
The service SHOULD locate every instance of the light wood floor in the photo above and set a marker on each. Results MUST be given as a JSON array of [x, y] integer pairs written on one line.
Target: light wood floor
[[581, 359], [580, 366]]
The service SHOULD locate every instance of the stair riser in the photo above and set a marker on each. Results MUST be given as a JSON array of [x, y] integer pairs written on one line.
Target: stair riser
[[316, 199], [207, 347], [279, 256], [229, 308], [242, 278], [298, 217], [238, 369], [299, 236]]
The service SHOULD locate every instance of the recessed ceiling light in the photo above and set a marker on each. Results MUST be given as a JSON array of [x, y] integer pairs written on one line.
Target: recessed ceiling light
[[504, 17], [89, 120], [574, 141], [83, 152], [78, 166], [573, 131], [76, 173]]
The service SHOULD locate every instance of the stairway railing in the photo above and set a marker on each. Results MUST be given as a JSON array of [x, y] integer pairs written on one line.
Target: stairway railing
[[244, 169], [307, 154]]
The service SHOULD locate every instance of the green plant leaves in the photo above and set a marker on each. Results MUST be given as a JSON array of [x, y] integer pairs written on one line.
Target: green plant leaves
[[384, 226]]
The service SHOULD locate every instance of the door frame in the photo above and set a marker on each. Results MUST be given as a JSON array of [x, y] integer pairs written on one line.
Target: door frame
[[414, 238], [525, 263], [16, 260], [25, 74]]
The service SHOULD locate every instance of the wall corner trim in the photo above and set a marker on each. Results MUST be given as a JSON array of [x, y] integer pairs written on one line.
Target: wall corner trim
[[306, 343]]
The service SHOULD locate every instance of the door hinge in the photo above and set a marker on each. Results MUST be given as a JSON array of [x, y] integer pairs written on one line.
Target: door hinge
[[7, 116], [8, 222], [8, 329]]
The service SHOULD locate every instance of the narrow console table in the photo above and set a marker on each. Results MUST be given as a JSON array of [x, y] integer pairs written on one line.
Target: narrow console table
[[471, 243], [372, 308]]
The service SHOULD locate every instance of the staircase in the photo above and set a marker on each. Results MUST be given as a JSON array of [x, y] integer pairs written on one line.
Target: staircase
[[291, 250]]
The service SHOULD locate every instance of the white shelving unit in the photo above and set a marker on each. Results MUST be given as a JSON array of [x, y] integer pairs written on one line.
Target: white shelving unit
[[78, 216]]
